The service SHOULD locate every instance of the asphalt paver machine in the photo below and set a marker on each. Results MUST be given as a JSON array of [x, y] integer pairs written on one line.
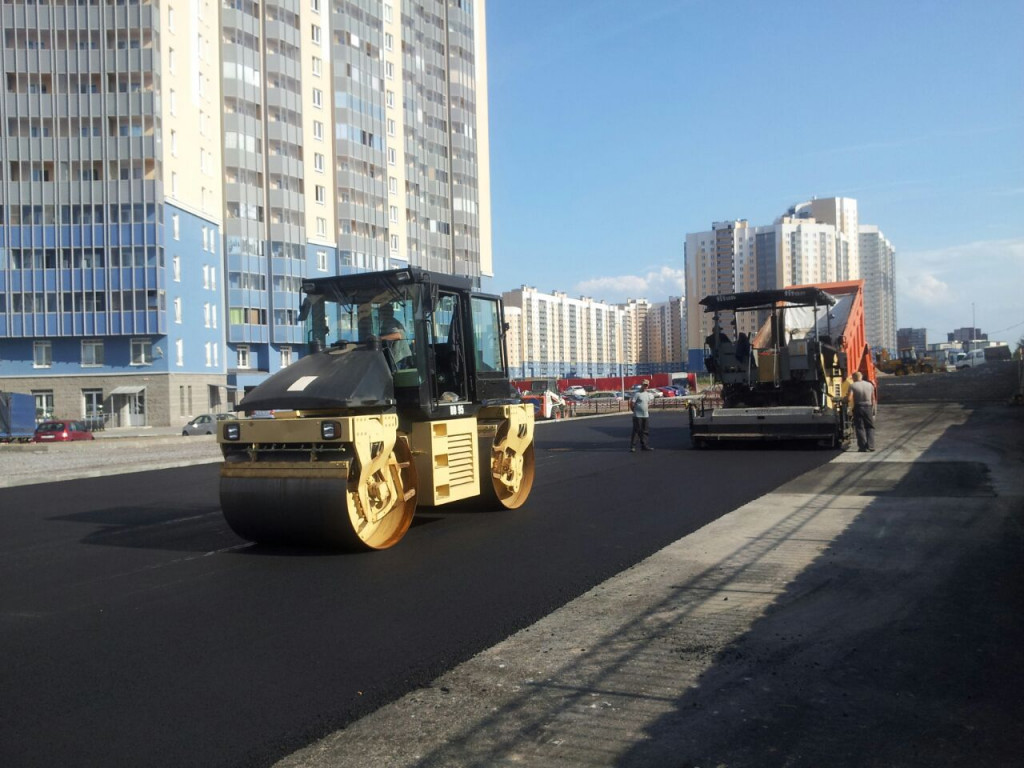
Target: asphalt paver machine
[[403, 400], [790, 381]]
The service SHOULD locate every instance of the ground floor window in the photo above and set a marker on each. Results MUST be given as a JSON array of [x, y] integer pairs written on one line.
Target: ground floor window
[[92, 408], [44, 404]]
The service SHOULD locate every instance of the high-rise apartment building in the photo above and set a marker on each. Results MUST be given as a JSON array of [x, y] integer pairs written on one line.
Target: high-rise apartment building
[[721, 260], [170, 171], [110, 209], [878, 270], [813, 242]]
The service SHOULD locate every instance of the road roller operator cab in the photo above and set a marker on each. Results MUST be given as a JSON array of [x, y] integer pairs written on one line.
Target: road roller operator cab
[[401, 400]]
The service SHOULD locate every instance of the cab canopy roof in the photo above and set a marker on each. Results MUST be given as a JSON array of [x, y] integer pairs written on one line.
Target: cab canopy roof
[[807, 296], [363, 282]]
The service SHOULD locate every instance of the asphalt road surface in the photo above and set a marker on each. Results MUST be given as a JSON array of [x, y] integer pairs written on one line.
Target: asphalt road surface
[[137, 629]]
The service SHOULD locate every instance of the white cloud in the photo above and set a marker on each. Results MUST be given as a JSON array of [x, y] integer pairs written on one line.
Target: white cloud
[[929, 290], [655, 285], [979, 283]]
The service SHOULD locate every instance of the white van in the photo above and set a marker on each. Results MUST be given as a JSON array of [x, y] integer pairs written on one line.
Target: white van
[[972, 359]]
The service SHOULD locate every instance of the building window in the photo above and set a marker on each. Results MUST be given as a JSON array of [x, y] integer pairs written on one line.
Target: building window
[[92, 406], [318, 162], [179, 352], [206, 275], [391, 127], [393, 213], [389, 69], [394, 243], [243, 355], [392, 156], [318, 130], [286, 356], [392, 185], [320, 194], [213, 315], [321, 225], [318, 98], [44, 403], [318, 65], [209, 354], [390, 98], [142, 352], [206, 315], [321, 261], [316, 34], [42, 354], [389, 41], [92, 353], [176, 268], [176, 226], [177, 310]]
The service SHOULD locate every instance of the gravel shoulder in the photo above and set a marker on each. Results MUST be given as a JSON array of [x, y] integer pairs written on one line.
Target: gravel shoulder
[[33, 463]]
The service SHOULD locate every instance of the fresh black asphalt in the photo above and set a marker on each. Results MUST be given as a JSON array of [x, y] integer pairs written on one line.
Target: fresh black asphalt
[[137, 629]]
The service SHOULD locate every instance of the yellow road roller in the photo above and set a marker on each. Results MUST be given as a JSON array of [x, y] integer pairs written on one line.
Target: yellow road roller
[[401, 400]]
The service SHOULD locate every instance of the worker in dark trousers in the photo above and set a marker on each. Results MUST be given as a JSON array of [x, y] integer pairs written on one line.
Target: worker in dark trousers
[[864, 403], [640, 403]]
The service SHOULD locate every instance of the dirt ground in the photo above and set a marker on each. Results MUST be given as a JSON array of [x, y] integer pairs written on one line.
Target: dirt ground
[[994, 382]]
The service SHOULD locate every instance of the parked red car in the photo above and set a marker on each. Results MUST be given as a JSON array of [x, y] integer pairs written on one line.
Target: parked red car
[[61, 432]]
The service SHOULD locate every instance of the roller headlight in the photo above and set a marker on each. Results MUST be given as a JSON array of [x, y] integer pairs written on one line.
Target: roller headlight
[[232, 431]]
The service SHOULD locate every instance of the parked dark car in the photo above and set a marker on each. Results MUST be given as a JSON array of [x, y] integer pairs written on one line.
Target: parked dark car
[[206, 424], [61, 432]]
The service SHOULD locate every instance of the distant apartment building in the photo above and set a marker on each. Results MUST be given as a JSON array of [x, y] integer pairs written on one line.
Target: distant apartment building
[[170, 172], [967, 336], [813, 242], [912, 337], [665, 331], [878, 270], [552, 335], [560, 337]]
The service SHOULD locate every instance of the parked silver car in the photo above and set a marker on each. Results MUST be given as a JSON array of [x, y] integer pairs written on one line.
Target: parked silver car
[[206, 424]]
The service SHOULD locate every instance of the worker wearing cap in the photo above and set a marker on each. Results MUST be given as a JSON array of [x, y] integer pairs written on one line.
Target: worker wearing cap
[[640, 403], [393, 332]]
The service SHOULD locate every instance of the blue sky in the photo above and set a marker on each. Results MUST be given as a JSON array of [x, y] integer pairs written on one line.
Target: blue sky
[[618, 126]]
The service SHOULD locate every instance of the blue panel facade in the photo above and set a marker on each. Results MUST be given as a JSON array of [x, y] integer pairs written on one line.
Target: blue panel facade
[[195, 295]]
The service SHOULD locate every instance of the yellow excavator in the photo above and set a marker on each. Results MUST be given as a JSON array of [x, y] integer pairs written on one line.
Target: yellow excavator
[[403, 400]]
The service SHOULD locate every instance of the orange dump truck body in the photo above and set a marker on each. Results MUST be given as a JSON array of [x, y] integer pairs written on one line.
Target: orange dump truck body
[[854, 337]]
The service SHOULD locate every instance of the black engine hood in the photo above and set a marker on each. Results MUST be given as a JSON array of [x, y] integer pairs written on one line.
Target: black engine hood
[[352, 377]]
